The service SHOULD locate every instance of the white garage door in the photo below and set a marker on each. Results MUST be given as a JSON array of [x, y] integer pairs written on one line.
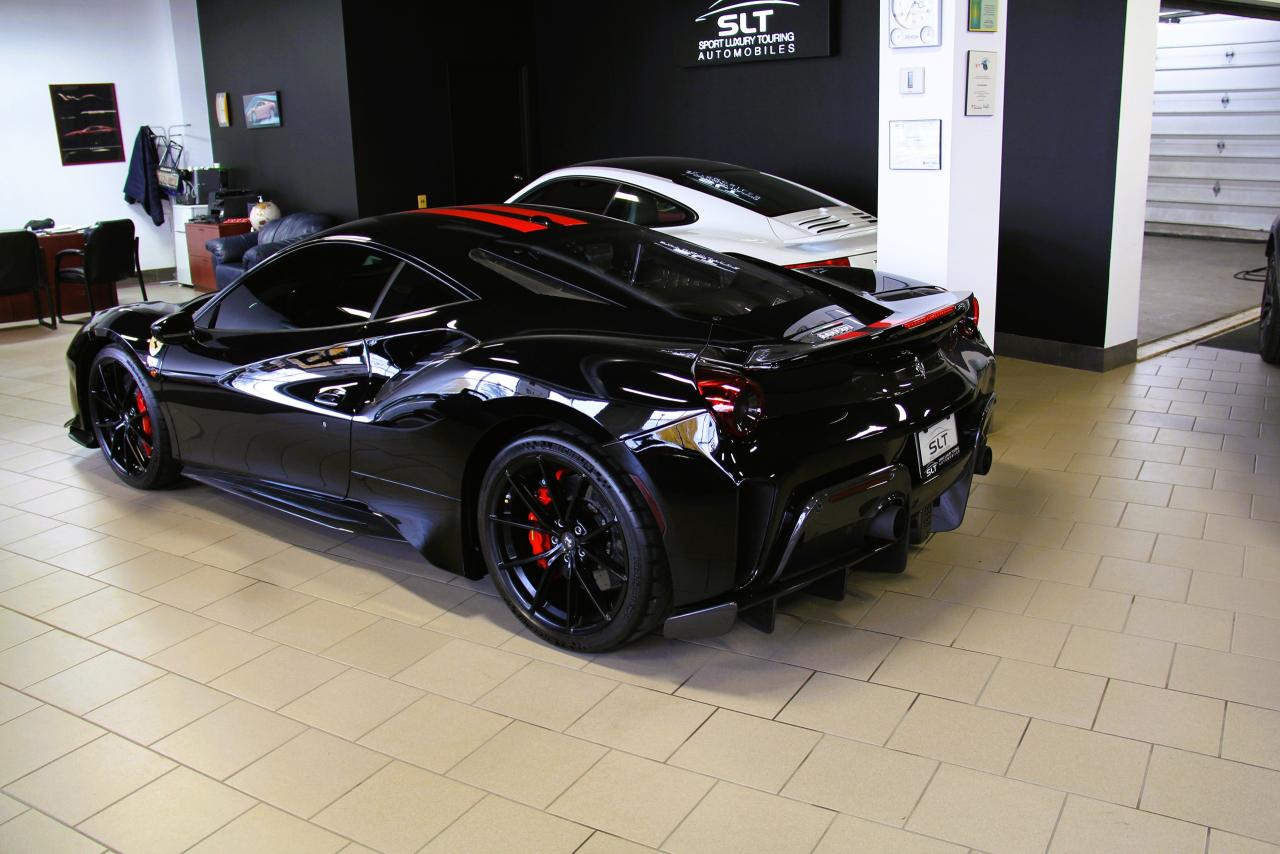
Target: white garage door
[[1215, 136]]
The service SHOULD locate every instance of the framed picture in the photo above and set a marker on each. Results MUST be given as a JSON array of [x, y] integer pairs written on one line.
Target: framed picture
[[983, 15], [87, 123], [262, 110], [222, 109]]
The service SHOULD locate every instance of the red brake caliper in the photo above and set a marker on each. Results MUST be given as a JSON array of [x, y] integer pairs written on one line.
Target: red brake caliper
[[540, 541], [146, 421]]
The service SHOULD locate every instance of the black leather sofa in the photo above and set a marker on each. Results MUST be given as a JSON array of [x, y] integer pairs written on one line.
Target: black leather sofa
[[233, 255]]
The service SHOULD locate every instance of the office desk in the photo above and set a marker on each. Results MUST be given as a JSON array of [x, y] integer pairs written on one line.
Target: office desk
[[74, 300]]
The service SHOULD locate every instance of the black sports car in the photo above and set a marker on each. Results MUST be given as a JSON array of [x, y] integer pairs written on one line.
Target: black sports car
[[626, 431]]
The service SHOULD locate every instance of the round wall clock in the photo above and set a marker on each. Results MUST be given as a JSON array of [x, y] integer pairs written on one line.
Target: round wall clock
[[914, 23]]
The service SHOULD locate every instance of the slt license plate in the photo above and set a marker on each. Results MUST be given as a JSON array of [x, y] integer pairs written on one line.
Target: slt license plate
[[938, 445]]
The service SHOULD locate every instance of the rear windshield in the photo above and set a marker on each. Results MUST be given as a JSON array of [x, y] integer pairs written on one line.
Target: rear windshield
[[764, 194], [634, 266]]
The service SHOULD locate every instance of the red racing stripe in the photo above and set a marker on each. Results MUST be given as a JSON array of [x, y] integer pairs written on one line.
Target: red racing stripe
[[494, 219], [558, 219]]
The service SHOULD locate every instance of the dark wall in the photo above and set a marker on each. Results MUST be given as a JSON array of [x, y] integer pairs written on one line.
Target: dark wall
[[1061, 126], [610, 82], [297, 47]]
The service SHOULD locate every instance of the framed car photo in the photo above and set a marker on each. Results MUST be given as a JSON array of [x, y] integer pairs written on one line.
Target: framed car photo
[[262, 110]]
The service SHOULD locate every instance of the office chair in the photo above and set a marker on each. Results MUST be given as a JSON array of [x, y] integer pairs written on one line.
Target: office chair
[[22, 271], [110, 254]]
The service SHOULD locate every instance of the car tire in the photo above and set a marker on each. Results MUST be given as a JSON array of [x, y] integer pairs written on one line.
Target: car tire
[[1269, 322], [604, 580], [127, 422]]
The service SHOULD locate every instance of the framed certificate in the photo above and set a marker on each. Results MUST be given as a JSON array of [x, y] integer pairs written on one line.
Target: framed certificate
[[915, 144], [983, 15], [980, 86]]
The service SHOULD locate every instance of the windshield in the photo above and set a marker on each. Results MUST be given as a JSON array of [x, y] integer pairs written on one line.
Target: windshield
[[764, 194], [643, 267]]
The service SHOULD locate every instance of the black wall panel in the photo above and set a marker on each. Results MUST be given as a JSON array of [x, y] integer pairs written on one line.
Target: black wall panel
[[296, 47]]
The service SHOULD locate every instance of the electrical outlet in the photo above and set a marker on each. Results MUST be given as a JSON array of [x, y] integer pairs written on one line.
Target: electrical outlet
[[422, 200]]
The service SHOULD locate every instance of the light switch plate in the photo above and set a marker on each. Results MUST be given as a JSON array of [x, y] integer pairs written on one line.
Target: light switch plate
[[911, 80]]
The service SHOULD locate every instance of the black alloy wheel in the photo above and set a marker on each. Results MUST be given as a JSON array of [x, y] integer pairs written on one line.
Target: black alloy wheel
[[127, 423], [572, 549], [1269, 322]]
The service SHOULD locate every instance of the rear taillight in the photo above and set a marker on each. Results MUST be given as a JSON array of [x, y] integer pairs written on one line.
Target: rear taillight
[[736, 402], [973, 311], [830, 262]]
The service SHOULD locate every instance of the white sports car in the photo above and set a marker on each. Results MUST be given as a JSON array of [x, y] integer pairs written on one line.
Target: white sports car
[[723, 207]]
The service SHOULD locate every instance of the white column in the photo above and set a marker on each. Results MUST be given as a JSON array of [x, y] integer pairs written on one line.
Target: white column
[[943, 226], [1133, 156]]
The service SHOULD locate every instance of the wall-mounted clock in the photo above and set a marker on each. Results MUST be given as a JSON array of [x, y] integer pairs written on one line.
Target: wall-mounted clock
[[914, 23]]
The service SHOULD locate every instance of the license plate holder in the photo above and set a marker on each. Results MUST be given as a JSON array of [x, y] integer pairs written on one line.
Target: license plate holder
[[937, 445]]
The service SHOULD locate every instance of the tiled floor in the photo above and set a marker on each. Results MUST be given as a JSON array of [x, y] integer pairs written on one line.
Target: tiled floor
[[1091, 664]]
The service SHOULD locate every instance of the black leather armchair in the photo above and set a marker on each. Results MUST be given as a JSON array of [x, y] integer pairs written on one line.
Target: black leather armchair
[[233, 255]]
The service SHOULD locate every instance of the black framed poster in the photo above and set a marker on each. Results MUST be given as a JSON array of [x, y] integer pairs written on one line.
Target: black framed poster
[[719, 32], [87, 123]]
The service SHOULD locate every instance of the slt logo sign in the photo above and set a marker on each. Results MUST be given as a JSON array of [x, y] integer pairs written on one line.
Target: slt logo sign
[[749, 30]]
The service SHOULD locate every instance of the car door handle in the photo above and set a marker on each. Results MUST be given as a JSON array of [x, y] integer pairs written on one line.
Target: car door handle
[[331, 396]]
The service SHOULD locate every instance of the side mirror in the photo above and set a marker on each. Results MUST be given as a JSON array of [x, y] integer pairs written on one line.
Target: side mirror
[[175, 327]]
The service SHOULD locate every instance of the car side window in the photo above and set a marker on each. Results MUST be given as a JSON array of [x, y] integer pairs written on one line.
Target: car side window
[[324, 284], [413, 289], [580, 194], [641, 207]]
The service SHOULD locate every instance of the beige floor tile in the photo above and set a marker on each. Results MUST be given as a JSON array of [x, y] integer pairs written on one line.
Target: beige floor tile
[[40, 736], [732, 818], [1227, 795], [158, 708], [97, 611], [202, 586], [1252, 735], [344, 583], [1163, 520], [959, 734], [1256, 636], [1106, 466], [1116, 542], [399, 809], [1031, 530], [152, 631], [547, 695], [1077, 760], [213, 652], [435, 733], [1047, 693], [146, 571], [1128, 657], [228, 738], [1262, 563], [239, 550], [861, 779], [255, 606], [1052, 565], [267, 830], [997, 591], [1232, 593], [1176, 474], [847, 708], [415, 600], [938, 670], [1080, 606], [317, 626], [1136, 491], [716, 750], [920, 578], [170, 814], [352, 703], [34, 832], [306, 774], [386, 647], [965, 550], [1143, 579], [848, 611], [1013, 636], [462, 670], [745, 684], [43, 656], [91, 683], [88, 779], [834, 649], [496, 824], [1060, 482], [1160, 716], [278, 677], [528, 764], [481, 619], [605, 797], [849, 834], [642, 721], [913, 617], [289, 567], [1142, 451], [1241, 678], [986, 812], [1174, 621], [54, 541], [13, 703], [48, 592], [98, 555], [1200, 555], [16, 570], [1094, 827], [1211, 501], [1221, 842], [658, 663]]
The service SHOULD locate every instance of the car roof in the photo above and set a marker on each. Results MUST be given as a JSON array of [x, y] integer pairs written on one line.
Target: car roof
[[663, 167], [416, 230]]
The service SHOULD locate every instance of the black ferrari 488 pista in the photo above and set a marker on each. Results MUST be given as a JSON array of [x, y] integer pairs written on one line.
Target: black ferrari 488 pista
[[627, 432]]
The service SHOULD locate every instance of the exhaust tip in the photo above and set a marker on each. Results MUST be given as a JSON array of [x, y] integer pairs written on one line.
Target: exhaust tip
[[889, 524], [983, 465]]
